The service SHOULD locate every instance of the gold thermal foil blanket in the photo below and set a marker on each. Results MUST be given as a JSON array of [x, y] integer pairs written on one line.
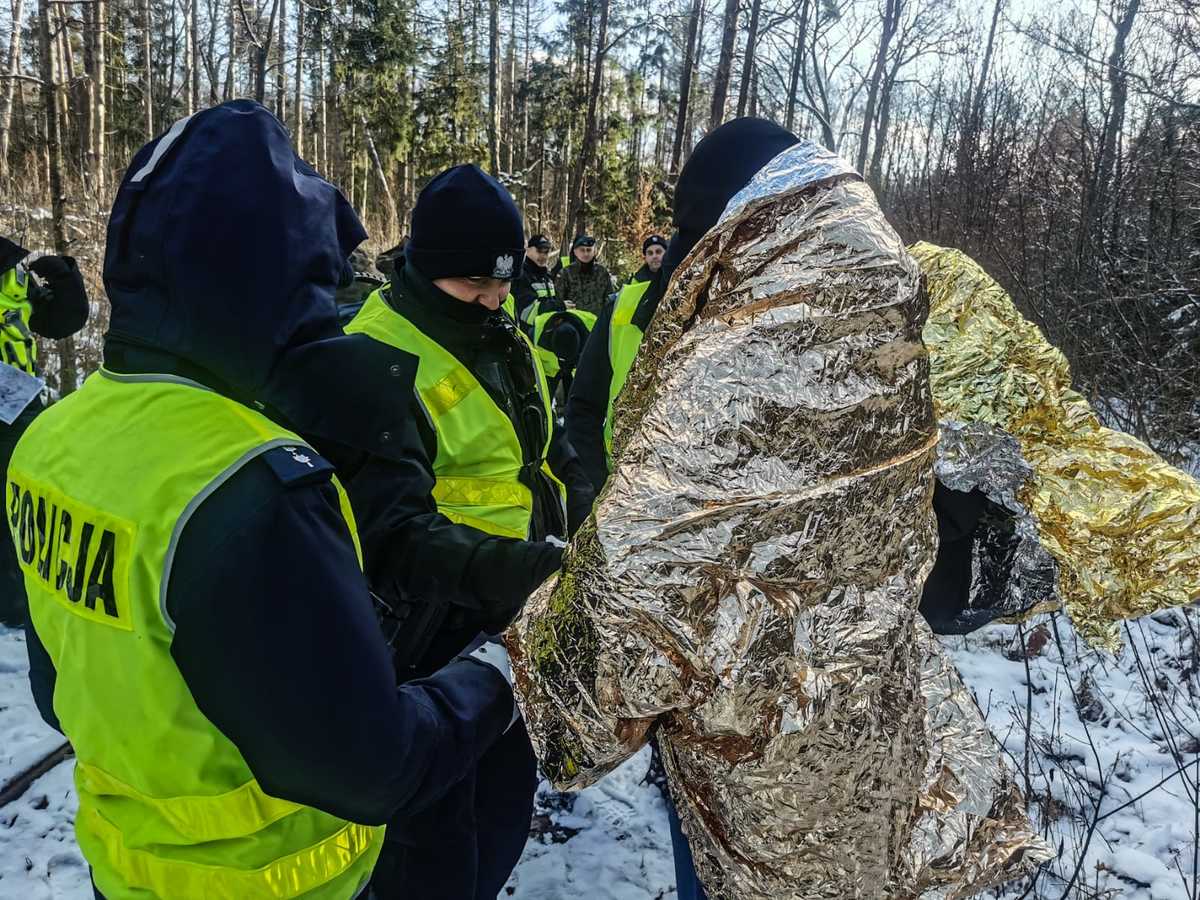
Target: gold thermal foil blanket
[[746, 591], [1122, 525]]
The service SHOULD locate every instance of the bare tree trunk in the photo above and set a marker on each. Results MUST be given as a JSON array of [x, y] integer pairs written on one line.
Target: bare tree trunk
[[194, 43], [797, 64], [322, 100], [685, 86], [660, 118], [281, 71], [689, 134], [881, 129], [724, 64], [494, 85], [13, 68], [189, 60], [891, 20], [748, 67], [100, 118], [1104, 190], [390, 212], [87, 124], [525, 113], [298, 100], [231, 22], [52, 104], [147, 72], [262, 44], [577, 191], [980, 91], [510, 103]]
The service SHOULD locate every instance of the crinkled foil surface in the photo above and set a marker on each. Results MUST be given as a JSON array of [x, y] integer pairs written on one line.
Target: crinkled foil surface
[[1012, 575], [1122, 525], [747, 588]]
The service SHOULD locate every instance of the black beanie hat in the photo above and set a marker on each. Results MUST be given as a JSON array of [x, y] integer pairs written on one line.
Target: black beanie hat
[[721, 165], [10, 254], [655, 240], [465, 224]]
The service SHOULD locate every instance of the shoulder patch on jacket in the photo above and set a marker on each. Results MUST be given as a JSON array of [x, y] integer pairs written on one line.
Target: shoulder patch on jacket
[[297, 465]]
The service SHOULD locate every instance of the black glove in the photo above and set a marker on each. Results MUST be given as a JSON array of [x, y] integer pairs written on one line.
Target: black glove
[[61, 308], [504, 572]]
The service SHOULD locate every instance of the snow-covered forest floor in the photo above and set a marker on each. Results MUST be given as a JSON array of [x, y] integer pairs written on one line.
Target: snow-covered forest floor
[[1107, 746]]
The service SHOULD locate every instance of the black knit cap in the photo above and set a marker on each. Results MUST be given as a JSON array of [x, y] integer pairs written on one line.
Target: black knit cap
[[10, 254], [721, 165], [465, 224], [655, 240]]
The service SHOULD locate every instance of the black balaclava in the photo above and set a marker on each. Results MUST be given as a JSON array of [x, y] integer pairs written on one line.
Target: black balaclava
[[721, 165]]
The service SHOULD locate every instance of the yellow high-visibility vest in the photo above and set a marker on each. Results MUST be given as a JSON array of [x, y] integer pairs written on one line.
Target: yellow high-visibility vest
[[168, 806]]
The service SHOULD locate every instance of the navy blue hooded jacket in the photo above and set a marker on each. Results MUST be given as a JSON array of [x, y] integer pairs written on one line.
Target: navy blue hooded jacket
[[224, 253]]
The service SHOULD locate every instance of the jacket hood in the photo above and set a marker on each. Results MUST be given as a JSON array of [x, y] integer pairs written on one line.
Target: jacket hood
[[225, 249]]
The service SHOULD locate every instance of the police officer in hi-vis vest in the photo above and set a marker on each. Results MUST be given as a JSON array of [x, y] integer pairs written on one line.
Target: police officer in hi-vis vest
[[45, 298], [558, 334], [654, 250], [533, 288], [503, 473], [202, 630]]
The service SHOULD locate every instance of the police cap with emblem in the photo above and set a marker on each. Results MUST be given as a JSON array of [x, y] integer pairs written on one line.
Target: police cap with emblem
[[466, 224], [655, 240]]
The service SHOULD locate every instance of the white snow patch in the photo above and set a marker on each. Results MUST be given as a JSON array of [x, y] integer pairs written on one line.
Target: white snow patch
[[24, 737], [622, 848], [1106, 744], [1112, 751]]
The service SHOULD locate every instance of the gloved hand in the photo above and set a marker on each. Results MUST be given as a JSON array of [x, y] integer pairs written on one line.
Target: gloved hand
[[61, 307], [58, 272], [580, 498], [493, 653], [504, 572]]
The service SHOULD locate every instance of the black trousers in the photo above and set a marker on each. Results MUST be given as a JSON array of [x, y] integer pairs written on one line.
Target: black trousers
[[14, 606], [466, 845]]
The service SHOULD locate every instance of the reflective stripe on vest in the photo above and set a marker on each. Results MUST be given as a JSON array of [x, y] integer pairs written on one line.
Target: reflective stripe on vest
[[624, 341], [479, 457], [18, 346], [289, 876], [543, 290], [167, 803]]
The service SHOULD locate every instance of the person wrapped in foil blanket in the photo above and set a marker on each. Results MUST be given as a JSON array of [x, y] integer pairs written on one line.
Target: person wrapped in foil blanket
[[1079, 514], [747, 589]]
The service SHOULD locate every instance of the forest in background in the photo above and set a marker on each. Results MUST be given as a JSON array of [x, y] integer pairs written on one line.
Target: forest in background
[[1058, 144]]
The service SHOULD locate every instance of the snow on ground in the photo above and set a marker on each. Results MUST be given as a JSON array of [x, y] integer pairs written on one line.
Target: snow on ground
[[1111, 761], [1112, 757], [38, 856]]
